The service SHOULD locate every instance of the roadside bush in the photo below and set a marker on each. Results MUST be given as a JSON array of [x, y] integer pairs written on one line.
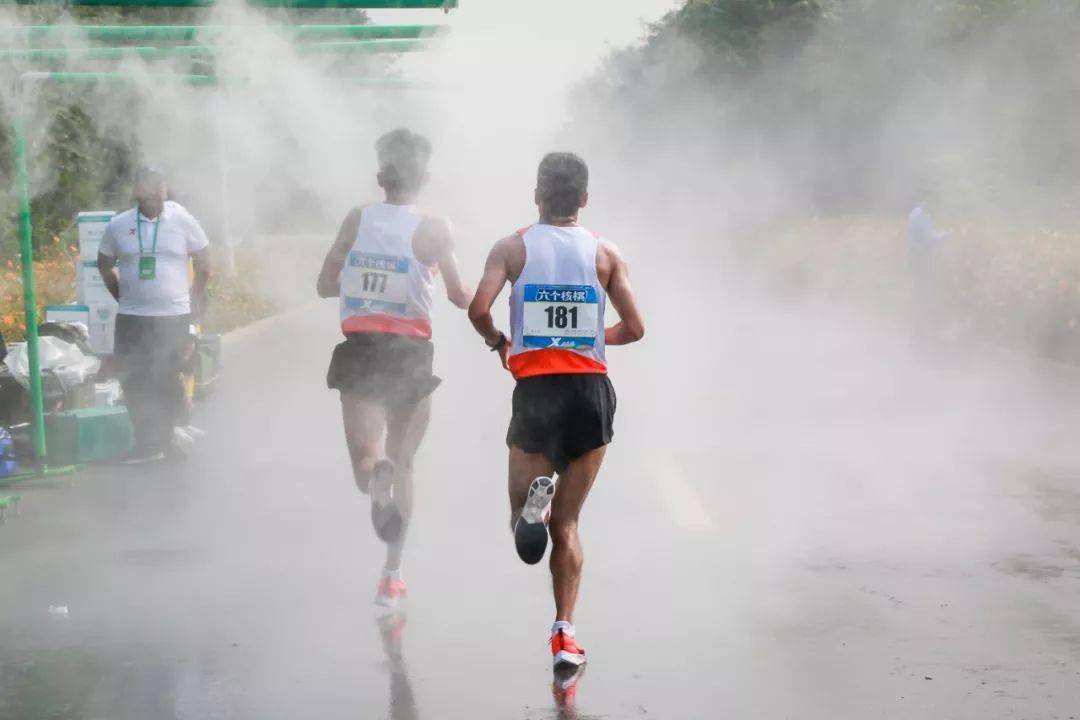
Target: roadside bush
[[1017, 288]]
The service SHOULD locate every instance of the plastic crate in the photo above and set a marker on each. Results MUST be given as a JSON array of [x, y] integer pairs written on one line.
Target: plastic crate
[[88, 434]]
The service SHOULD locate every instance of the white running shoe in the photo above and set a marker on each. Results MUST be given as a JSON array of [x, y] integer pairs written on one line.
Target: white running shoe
[[181, 440], [143, 459], [194, 432], [530, 530], [385, 517]]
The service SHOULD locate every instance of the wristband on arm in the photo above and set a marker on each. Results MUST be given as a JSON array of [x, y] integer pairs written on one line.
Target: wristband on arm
[[503, 342]]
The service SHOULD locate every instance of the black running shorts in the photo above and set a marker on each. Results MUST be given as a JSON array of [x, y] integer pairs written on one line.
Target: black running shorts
[[393, 369], [562, 416]]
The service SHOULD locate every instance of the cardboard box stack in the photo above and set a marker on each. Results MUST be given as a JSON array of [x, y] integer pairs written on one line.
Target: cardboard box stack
[[92, 290]]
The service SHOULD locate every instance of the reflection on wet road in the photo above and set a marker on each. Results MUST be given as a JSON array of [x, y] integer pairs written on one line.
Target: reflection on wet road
[[391, 628], [845, 536]]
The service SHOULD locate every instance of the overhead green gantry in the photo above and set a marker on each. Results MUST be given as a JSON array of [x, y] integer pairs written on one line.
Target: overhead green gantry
[[319, 4], [126, 33]]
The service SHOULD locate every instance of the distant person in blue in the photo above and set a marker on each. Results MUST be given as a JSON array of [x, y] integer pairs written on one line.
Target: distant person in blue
[[924, 243], [924, 248]]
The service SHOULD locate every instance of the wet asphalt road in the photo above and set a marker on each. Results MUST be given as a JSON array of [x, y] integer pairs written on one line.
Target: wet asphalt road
[[798, 524]]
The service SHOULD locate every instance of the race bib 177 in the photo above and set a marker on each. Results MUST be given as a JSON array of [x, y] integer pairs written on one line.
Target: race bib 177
[[379, 283], [560, 316]]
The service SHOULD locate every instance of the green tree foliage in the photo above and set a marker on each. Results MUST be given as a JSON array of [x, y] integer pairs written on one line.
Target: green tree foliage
[[734, 30], [79, 164], [865, 101]]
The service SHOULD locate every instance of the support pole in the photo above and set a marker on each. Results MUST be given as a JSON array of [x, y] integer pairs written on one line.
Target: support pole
[[26, 249]]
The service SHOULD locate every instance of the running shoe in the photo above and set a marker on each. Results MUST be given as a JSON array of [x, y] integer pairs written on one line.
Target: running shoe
[[565, 652], [140, 458], [181, 439], [385, 517], [194, 432], [390, 592], [530, 530]]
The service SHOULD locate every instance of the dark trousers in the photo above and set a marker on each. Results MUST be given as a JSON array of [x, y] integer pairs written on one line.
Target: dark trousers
[[152, 352]]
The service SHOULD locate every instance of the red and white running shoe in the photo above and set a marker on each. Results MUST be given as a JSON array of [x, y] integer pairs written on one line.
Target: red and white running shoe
[[565, 652], [390, 592]]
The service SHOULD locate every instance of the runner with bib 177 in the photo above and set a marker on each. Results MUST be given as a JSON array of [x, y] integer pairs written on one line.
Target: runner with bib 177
[[561, 278], [382, 267]]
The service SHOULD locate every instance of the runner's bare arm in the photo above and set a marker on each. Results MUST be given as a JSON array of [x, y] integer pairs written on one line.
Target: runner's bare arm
[[329, 283], [457, 291], [496, 273], [435, 240], [631, 327]]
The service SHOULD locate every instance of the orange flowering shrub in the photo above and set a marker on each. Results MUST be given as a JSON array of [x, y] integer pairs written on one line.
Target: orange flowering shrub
[[234, 301], [54, 277]]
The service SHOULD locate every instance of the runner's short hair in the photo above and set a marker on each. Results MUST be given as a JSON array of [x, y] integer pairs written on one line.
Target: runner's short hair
[[562, 181], [403, 159]]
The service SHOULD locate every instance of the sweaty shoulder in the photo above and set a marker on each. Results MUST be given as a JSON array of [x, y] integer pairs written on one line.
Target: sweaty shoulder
[[349, 226], [511, 250], [607, 259], [434, 238], [354, 214]]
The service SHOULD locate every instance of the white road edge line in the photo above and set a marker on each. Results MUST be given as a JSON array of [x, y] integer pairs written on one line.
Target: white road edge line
[[684, 504]]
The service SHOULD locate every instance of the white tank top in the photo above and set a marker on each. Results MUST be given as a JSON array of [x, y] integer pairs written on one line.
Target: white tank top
[[384, 288], [557, 304]]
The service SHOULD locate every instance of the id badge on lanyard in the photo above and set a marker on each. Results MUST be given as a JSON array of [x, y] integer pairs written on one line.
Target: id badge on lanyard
[[147, 263], [147, 267]]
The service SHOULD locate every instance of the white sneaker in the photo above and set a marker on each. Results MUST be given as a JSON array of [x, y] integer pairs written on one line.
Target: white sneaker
[[385, 517], [194, 432], [141, 459], [530, 530], [382, 483], [181, 440]]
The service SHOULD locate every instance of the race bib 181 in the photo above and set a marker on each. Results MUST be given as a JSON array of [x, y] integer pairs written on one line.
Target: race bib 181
[[379, 283], [560, 316]]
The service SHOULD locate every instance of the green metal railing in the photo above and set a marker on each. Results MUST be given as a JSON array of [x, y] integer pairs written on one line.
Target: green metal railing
[[158, 53], [108, 33]]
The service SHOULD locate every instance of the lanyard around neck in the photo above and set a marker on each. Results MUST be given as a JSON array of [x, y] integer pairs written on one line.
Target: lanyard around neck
[[138, 231]]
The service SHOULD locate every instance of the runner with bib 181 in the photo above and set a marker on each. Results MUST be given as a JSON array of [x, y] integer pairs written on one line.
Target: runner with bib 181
[[382, 267], [561, 278]]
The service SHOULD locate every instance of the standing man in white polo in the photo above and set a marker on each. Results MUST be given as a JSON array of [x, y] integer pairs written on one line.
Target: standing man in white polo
[[144, 259]]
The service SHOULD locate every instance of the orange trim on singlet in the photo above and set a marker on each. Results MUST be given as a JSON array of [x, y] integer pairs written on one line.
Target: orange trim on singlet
[[379, 323], [553, 361]]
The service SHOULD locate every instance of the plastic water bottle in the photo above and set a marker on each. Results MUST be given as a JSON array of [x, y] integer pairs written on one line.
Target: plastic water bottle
[[7, 454]]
